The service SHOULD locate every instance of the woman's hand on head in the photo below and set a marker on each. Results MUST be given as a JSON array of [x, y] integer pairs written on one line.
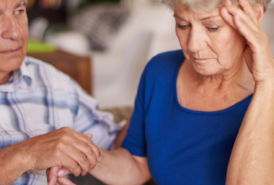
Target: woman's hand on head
[[246, 19]]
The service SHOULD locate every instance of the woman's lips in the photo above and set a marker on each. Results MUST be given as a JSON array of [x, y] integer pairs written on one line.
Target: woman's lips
[[201, 59], [11, 51]]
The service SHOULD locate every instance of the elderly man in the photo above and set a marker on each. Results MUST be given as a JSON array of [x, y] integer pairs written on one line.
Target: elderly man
[[43, 113]]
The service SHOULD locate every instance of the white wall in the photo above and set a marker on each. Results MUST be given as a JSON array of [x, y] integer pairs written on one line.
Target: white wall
[[268, 25]]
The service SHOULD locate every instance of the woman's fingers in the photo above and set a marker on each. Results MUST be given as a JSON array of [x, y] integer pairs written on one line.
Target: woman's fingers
[[235, 10], [245, 30], [63, 172], [248, 9], [242, 22], [64, 181], [227, 17], [55, 175], [52, 175]]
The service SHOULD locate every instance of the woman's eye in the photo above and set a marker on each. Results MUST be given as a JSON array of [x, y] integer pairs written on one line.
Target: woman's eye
[[183, 26], [212, 29]]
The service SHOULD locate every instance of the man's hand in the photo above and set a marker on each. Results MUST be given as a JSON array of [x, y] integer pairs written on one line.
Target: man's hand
[[62, 148]]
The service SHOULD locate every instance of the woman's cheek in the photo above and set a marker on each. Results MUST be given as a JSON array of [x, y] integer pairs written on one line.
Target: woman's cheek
[[182, 38]]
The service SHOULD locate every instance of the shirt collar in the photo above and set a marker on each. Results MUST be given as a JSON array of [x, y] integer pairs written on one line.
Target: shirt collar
[[21, 76]]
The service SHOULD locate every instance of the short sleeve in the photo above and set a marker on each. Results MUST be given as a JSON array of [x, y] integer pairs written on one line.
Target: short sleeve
[[135, 141]]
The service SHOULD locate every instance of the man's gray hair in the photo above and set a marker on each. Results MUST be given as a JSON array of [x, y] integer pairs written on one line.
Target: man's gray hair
[[207, 5]]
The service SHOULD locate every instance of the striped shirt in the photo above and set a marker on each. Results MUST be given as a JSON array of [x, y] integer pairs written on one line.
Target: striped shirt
[[38, 99]]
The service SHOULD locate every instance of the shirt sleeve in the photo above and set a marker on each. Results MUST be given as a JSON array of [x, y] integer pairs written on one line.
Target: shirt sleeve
[[135, 141], [89, 119]]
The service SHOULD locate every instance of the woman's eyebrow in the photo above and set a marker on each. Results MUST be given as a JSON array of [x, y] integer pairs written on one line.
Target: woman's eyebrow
[[179, 17], [210, 17], [202, 19]]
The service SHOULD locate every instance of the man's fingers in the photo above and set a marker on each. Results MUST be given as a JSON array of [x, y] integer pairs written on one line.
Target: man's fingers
[[86, 139], [71, 165], [80, 157], [52, 175], [90, 136], [85, 154], [97, 152]]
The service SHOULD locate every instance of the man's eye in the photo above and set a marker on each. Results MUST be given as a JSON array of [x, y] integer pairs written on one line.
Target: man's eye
[[17, 12], [212, 29], [183, 26]]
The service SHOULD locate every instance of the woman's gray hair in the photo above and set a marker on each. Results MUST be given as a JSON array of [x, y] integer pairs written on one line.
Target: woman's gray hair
[[207, 5]]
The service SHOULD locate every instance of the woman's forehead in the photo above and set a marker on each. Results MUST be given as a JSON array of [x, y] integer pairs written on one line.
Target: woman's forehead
[[185, 14]]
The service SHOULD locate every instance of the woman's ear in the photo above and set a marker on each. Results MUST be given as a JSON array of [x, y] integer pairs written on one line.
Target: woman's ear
[[259, 10]]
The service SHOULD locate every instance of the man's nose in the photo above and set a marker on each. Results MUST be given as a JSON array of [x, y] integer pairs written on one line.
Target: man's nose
[[197, 41], [10, 28]]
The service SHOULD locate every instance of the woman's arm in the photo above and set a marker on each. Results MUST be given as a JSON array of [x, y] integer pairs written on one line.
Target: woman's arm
[[120, 167], [252, 157], [116, 167]]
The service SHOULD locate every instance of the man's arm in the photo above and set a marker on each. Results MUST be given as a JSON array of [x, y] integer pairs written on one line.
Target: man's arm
[[13, 164], [62, 148]]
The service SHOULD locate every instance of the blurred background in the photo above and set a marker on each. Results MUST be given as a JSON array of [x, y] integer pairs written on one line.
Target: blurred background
[[105, 44]]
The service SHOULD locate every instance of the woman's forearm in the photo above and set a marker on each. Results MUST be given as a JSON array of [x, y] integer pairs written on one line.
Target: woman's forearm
[[252, 157], [120, 167]]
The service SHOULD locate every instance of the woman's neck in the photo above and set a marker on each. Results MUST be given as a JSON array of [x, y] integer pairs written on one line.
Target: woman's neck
[[237, 78], [216, 92]]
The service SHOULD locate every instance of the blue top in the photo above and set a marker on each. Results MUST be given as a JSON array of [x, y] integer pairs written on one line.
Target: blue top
[[183, 147]]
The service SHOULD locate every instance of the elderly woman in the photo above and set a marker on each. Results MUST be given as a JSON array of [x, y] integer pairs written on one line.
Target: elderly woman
[[204, 115]]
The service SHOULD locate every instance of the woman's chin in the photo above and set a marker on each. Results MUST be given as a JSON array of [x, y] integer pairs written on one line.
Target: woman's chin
[[205, 71]]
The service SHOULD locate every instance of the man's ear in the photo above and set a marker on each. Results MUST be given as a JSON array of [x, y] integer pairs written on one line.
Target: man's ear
[[259, 10]]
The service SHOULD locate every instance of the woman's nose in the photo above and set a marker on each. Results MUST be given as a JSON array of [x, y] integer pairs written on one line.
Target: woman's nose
[[197, 41], [9, 28]]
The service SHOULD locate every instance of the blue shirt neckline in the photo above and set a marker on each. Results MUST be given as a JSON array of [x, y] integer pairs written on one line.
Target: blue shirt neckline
[[231, 108]]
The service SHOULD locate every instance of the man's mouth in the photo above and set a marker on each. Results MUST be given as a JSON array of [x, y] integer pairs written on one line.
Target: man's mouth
[[10, 51]]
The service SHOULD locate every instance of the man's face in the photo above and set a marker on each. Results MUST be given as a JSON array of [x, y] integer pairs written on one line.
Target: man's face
[[13, 35]]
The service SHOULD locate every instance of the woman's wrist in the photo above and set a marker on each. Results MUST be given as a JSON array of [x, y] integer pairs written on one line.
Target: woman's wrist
[[264, 89], [265, 85]]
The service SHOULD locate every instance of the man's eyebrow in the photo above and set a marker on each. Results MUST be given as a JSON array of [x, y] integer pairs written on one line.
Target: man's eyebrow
[[22, 3], [203, 19]]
